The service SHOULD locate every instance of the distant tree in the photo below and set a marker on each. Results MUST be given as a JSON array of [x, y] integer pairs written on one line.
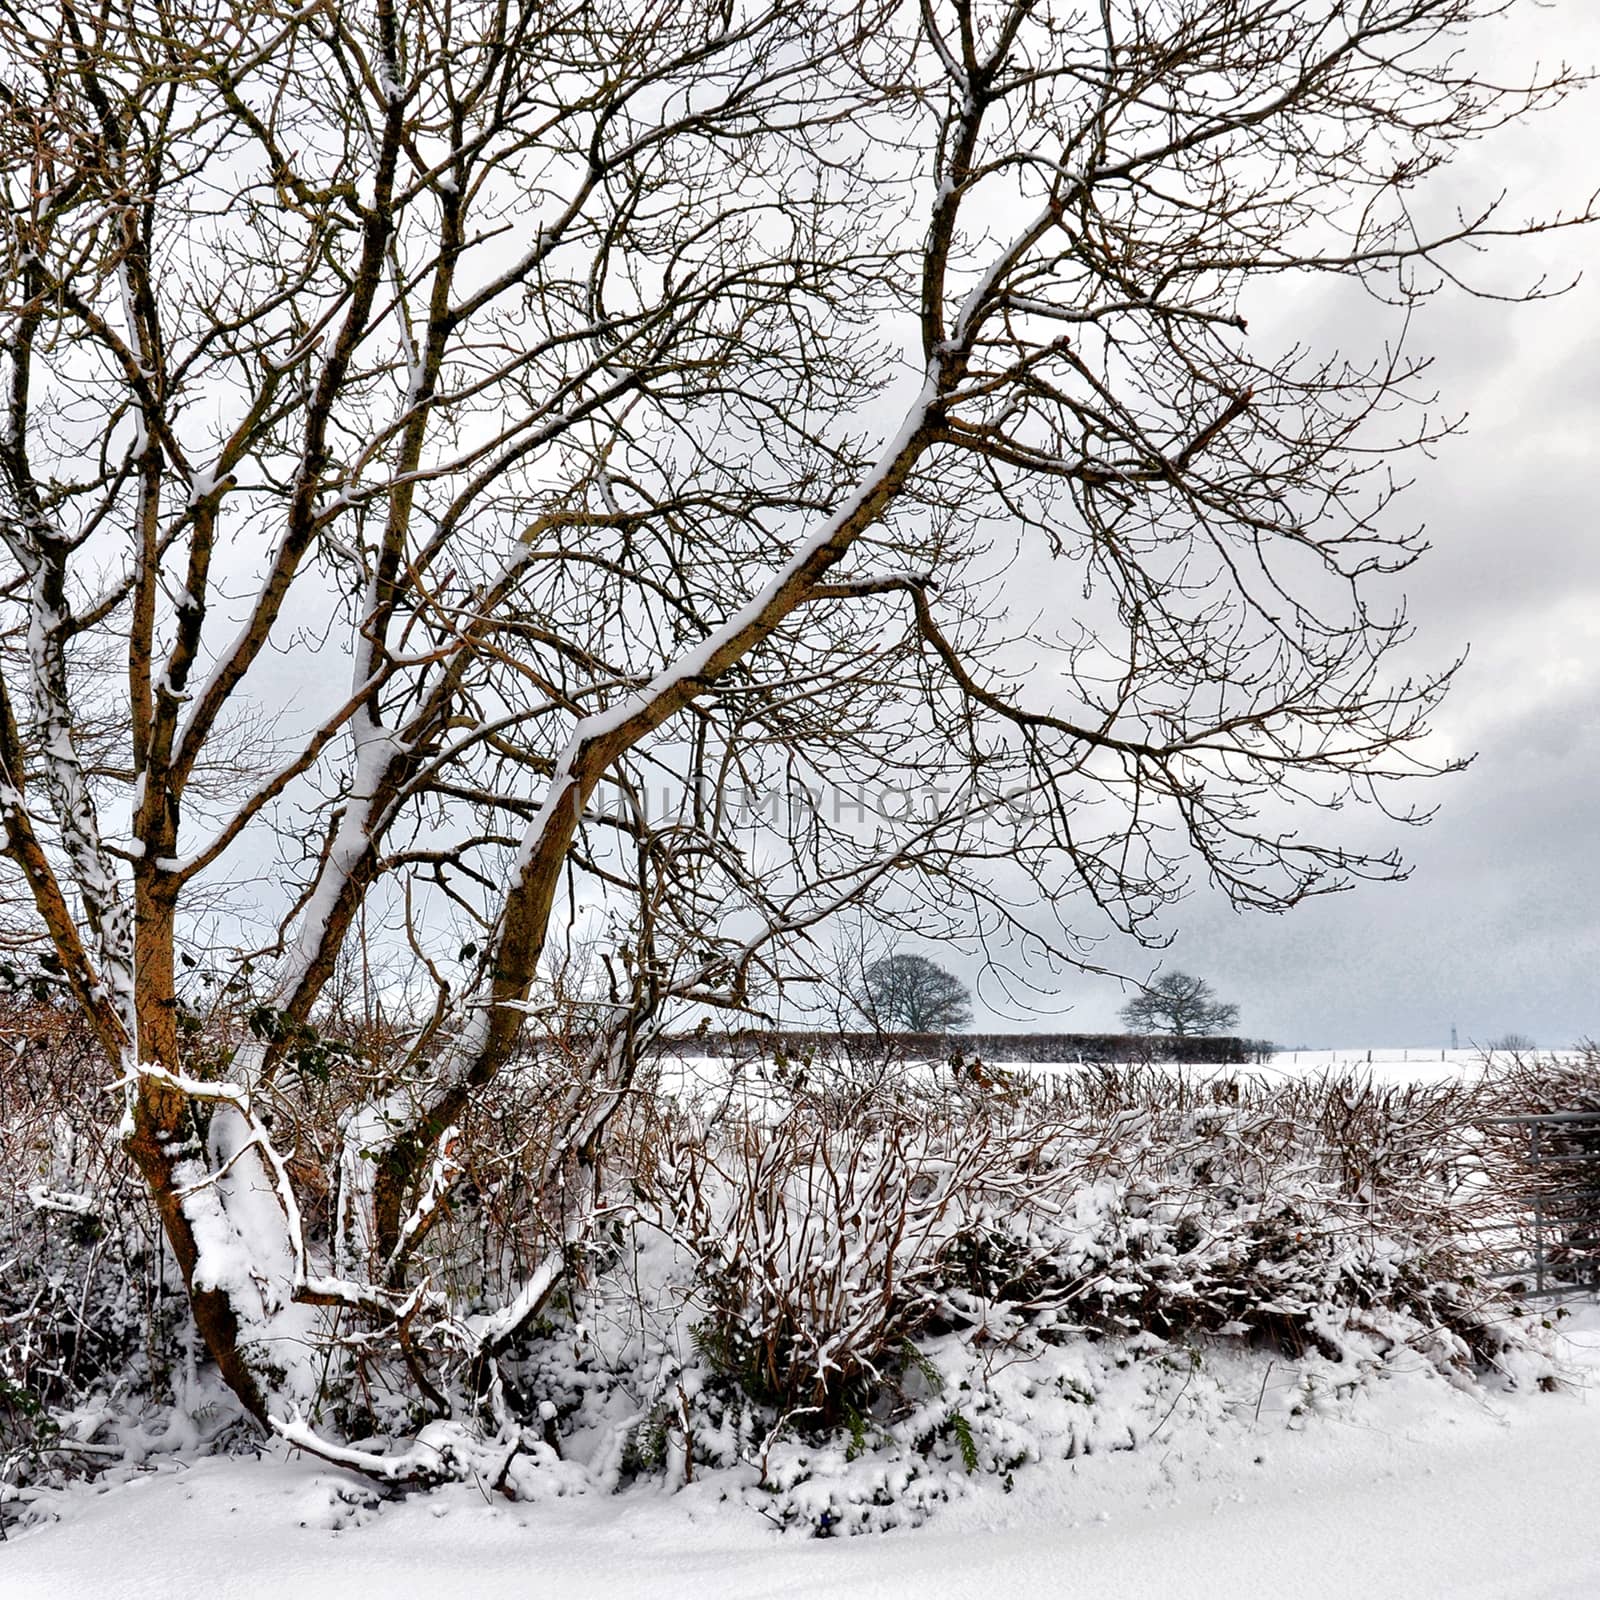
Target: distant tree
[[1178, 1004], [915, 994], [1518, 1043]]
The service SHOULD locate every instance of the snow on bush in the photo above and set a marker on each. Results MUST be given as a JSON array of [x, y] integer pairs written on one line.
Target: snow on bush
[[93, 1317], [1108, 1203], [850, 1290], [853, 1295]]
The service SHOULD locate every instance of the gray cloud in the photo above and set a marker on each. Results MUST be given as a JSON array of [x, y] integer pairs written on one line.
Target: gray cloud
[[1498, 926]]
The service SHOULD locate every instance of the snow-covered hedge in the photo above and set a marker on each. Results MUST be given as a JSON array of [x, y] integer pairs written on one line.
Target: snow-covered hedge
[[848, 1289], [824, 1242]]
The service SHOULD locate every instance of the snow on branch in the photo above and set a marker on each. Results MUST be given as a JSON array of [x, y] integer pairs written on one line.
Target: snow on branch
[[421, 1466]]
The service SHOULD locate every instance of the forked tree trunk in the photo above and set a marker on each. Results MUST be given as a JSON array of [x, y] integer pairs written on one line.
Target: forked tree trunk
[[167, 1156], [216, 1199]]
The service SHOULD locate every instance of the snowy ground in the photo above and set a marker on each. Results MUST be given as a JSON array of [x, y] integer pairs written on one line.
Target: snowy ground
[[1398, 1065], [1411, 1491], [1392, 1066]]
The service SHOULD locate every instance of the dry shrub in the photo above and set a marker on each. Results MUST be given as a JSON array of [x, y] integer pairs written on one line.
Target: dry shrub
[[822, 1240], [1552, 1170], [1292, 1213], [830, 1228], [87, 1306]]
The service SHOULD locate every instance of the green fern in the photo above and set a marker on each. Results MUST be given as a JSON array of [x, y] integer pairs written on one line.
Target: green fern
[[965, 1443]]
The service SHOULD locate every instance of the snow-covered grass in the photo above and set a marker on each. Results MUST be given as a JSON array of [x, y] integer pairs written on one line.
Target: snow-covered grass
[[1405, 1488]]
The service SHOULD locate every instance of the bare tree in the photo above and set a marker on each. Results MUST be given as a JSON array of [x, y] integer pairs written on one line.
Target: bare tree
[[1175, 1003], [1513, 1043], [548, 474], [914, 993]]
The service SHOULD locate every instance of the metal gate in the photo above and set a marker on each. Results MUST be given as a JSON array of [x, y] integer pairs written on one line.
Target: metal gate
[[1558, 1247]]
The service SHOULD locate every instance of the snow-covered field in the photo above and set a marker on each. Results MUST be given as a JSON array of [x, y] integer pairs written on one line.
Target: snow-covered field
[[1407, 1490], [1386, 1065], [1398, 1065], [1393, 1066]]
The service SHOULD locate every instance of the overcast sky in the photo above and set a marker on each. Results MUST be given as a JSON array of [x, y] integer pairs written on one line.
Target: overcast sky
[[1498, 927]]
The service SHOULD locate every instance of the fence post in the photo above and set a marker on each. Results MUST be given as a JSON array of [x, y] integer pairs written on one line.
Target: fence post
[[1538, 1216]]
